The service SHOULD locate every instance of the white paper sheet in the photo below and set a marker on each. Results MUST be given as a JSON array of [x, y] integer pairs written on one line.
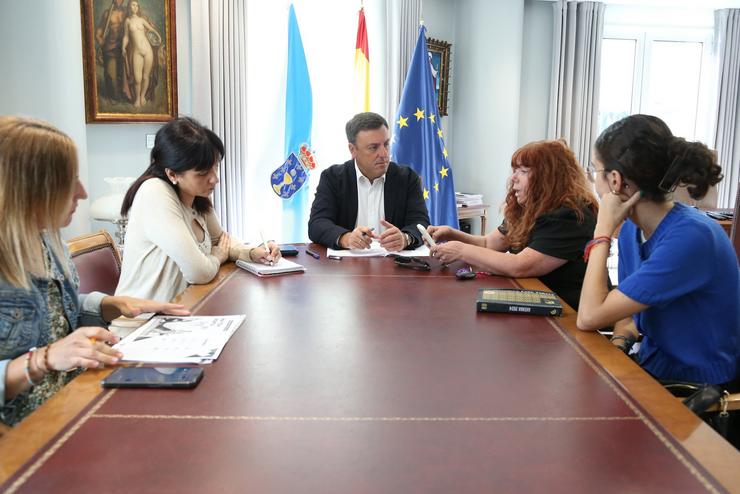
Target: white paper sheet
[[376, 250], [173, 339]]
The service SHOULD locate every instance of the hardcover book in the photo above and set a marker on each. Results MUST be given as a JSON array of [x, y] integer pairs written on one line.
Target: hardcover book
[[517, 301]]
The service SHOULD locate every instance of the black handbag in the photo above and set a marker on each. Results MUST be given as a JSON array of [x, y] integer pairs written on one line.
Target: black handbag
[[710, 402]]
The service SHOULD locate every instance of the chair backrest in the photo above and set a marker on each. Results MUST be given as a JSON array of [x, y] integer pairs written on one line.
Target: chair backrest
[[97, 260], [735, 234]]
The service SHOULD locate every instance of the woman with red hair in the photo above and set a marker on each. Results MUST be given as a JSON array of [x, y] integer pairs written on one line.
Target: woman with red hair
[[549, 216]]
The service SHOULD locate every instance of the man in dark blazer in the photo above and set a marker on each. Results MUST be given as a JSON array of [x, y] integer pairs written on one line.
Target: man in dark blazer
[[368, 197]]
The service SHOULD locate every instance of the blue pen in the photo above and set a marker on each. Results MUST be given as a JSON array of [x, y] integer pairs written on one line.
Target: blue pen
[[313, 254]]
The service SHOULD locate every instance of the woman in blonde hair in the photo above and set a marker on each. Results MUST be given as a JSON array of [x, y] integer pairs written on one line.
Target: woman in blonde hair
[[549, 216], [46, 328]]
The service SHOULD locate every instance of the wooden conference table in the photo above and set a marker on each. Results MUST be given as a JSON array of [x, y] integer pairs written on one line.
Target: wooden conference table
[[360, 376]]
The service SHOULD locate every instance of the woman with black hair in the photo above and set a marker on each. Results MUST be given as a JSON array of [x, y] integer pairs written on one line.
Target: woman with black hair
[[679, 282], [173, 237]]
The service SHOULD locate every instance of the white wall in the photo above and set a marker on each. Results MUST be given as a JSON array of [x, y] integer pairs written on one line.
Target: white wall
[[42, 73], [487, 71], [43, 78]]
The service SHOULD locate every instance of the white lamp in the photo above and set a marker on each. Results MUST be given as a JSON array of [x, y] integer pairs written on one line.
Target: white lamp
[[108, 207]]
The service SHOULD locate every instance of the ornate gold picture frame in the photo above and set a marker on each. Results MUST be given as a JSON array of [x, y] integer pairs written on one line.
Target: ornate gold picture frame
[[130, 61], [439, 52]]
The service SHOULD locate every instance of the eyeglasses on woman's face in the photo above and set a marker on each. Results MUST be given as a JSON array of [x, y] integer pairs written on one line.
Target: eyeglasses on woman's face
[[592, 171]]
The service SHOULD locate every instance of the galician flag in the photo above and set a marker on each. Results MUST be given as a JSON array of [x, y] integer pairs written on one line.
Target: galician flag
[[298, 117]]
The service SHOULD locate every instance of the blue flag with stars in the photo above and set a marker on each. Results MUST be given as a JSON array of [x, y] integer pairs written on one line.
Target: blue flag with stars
[[418, 140]]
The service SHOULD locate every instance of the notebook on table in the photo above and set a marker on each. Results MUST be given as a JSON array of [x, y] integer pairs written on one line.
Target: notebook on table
[[283, 266]]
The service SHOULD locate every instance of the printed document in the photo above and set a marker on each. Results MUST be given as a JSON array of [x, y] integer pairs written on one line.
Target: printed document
[[179, 340]]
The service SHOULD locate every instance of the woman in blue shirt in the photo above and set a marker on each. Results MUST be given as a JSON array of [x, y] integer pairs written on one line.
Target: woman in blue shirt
[[46, 329], [679, 282]]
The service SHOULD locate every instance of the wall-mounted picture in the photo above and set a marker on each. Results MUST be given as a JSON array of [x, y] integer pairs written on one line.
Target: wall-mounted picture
[[129, 60], [439, 56]]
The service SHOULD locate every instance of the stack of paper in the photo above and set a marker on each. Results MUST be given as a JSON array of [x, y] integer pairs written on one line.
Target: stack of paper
[[467, 200], [179, 340], [376, 250]]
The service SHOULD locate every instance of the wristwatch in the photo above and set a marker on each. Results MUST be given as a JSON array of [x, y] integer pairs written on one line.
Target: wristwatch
[[627, 342], [409, 239]]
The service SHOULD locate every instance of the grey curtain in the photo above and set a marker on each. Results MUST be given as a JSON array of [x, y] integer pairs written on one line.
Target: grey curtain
[[403, 30], [574, 81], [219, 61], [727, 136]]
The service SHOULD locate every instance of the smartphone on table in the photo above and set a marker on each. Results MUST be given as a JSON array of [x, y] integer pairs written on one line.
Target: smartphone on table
[[153, 377], [288, 250]]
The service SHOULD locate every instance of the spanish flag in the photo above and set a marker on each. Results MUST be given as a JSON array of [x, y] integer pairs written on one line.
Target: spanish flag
[[362, 64]]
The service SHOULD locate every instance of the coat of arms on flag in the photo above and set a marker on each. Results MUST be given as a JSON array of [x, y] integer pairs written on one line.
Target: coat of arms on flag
[[293, 174]]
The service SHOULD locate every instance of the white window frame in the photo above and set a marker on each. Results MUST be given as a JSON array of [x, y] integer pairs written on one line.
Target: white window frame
[[645, 36]]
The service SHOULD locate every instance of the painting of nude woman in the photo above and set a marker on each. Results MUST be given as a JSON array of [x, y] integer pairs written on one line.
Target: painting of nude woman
[[129, 60]]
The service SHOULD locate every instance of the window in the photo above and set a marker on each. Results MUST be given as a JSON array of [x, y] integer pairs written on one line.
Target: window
[[658, 71]]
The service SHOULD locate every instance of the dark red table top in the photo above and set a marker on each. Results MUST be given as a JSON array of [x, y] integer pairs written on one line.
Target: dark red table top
[[360, 376]]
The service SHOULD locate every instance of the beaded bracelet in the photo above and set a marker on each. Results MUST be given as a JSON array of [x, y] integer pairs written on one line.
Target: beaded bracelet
[[27, 366], [598, 240]]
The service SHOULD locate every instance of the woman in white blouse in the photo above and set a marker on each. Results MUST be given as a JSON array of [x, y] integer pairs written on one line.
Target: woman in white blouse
[[173, 237]]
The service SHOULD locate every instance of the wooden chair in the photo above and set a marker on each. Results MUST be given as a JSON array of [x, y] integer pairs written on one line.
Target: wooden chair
[[98, 262]]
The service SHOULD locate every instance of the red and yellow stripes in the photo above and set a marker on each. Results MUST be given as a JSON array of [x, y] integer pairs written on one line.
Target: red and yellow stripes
[[362, 64]]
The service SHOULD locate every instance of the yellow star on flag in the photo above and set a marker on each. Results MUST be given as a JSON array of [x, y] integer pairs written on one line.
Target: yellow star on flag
[[436, 186], [443, 171], [432, 117], [426, 193], [419, 114], [402, 122], [444, 151], [439, 133]]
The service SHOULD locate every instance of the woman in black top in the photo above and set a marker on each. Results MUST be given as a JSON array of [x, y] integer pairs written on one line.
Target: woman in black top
[[549, 216]]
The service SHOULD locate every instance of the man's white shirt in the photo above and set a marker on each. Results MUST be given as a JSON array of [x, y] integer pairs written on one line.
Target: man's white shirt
[[370, 201]]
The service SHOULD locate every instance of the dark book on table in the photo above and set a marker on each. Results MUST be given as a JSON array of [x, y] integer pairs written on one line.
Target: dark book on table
[[516, 301]]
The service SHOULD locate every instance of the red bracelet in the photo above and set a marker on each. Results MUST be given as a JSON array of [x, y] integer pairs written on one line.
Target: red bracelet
[[598, 240]]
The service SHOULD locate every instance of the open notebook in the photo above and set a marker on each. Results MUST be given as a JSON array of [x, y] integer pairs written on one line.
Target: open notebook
[[283, 266]]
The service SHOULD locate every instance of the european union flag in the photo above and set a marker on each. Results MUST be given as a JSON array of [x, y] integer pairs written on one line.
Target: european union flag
[[417, 139], [298, 117]]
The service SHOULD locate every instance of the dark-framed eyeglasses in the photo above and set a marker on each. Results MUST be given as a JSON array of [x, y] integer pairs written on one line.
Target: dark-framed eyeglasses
[[412, 263]]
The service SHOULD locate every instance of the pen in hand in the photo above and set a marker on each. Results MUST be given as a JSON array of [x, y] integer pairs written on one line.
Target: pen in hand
[[267, 250], [368, 233]]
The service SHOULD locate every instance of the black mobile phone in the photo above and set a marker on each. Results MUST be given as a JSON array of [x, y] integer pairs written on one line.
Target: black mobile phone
[[288, 250], [153, 377]]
